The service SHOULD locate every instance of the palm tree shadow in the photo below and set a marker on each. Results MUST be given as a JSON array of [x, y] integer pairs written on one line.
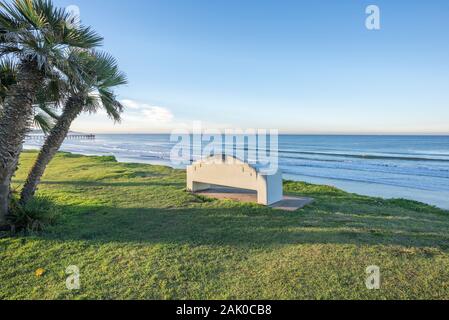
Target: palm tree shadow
[[90, 183], [246, 226]]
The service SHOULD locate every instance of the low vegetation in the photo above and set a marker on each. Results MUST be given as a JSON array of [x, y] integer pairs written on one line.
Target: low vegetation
[[135, 233]]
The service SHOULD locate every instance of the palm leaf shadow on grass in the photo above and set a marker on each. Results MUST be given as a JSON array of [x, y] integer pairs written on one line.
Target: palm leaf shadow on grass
[[247, 226], [89, 183]]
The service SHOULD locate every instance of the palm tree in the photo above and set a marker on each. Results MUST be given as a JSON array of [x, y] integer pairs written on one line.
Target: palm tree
[[101, 76], [38, 36]]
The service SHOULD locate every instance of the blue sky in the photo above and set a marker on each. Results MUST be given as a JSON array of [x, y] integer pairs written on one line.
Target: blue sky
[[297, 66]]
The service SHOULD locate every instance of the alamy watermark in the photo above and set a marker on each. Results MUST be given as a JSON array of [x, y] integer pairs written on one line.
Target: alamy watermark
[[74, 16], [73, 280], [258, 147], [373, 280], [372, 22]]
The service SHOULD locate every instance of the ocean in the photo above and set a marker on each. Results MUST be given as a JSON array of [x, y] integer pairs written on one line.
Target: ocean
[[409, 167]]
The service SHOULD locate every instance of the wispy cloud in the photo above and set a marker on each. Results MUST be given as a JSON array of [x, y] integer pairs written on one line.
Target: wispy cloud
[[143, 112], [137, 117]]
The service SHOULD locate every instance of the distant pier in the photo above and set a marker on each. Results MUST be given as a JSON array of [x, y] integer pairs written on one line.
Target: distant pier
[[69, 137]]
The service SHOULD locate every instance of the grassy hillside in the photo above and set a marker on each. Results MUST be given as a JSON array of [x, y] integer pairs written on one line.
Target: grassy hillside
[[136, 234]]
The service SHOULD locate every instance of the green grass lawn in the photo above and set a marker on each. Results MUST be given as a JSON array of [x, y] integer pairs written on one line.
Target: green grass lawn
[[135, 233]]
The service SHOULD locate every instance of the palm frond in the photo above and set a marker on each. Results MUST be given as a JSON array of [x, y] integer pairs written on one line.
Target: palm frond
[[8, 76], [43, 122], [108, 73], [92, 104], [27, 10], [49, 110], [109, 102]]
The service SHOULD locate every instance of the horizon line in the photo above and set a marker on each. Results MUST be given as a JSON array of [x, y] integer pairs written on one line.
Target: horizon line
[[302, 133]]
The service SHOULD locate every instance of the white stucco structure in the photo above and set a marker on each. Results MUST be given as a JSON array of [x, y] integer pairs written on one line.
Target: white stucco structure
[[231, 172]]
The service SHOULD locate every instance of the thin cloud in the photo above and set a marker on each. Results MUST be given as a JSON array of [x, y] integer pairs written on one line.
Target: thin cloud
[[142, 112]]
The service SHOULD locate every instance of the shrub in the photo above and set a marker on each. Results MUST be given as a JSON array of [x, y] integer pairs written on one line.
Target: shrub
[[38, 214]]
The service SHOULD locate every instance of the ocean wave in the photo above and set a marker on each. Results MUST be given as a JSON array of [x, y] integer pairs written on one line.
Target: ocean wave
[[370, 168], [414, 184], [367, 156]]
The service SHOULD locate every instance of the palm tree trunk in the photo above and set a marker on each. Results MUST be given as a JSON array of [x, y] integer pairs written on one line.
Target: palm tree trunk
[[72, 109], [15, 122]]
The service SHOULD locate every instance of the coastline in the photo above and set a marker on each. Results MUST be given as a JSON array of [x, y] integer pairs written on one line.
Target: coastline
[[372, 189], [348, 188]]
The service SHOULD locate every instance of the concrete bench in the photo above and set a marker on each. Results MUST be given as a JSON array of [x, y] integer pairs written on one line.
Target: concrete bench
[[231, 172]]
